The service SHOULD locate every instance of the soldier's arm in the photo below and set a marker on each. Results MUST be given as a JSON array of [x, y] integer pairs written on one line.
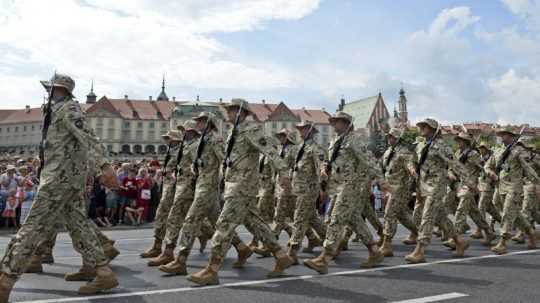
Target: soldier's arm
[[74, 120], [527, 168], [267, 146], [215, 143], [360, 151]]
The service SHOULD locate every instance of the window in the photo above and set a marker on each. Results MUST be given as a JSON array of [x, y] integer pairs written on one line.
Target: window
[[139, 125], [151, 135], [274, 125], [324, 129], [126, 135], [151, 125], [164, 125], [139, 135], [99, 133], [33, 127], [110, 134], [24, 128], [111, 123], [7, 129], [127, 124], [0, 130], [109, 148], [99, 121], [16, 128]]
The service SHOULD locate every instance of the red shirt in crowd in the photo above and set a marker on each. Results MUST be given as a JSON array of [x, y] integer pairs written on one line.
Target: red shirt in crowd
[[131, 184]]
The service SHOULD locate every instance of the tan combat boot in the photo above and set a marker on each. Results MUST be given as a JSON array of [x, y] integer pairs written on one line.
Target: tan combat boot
[[386, 248], [519, 237], [6, 285], [85, 273], [531, 239], [153, 251], [208, 275], [477, 234], [411, 240], [176, 267], [500, 248], [450, 244], [375, 256], [282, 262], [293, 253], [262, 251], [47, 258], [166, 257], [105, 280], [253, 243], [110, 251], [311, 245], [35, 265], [320, 264], [490, 236], [244, 252], [461, 246], [417, 256]]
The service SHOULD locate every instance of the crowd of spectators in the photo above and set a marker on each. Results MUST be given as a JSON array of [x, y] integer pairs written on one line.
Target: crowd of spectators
[[121, 193]]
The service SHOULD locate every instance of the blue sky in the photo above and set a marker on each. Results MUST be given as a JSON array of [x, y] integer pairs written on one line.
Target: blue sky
[[458, 60]]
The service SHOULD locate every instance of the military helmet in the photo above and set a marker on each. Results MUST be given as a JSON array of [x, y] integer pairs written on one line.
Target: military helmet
[[432, 123], [60, 80]]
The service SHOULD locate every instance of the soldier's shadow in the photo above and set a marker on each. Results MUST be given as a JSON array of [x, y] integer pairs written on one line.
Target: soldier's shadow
[[311, 289]]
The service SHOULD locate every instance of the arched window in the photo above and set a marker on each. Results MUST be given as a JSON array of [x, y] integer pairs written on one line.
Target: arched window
[[126, 149], [149, 149], [162, 149], [137, 149]]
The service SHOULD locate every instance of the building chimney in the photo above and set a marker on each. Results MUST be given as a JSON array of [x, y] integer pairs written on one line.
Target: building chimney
[[150, 98], [198, 98], [220, 100], [174, 98], [27, 108], [126, 97], [263, 101], [341, 104]]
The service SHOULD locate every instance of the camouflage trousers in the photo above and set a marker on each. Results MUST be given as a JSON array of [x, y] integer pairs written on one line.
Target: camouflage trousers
[[486, 206], [205, 207], [451, 201], [51, 203], [467, 207], [164, 208], [306, 218], [345, 209], [266, 205], [240, 210], [284, 214], [530, 209], [370, 214], [512, 214], [182, 200], [434, 212], [397, 209]]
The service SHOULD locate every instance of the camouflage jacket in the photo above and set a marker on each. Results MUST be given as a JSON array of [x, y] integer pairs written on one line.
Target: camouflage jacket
[[266, 176], [287, 153], [534, 161], [468, 178], [67, 146], [241, 177], [168, 171], [485, 183], [212, 158], [398, 166], [515, 168], [433, 173], [185, 179], [306, 175]]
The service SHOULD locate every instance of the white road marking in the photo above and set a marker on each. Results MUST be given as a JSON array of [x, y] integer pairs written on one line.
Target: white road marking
[[265, 281], [443, 297]]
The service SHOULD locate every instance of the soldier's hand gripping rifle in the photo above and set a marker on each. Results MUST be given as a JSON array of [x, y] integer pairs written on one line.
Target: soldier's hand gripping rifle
[[198, 162], [425, 151], [230, 144], [392, 152], [335, 151], [164, 169], [507, 152], [47, 116], [177, 170], [302, 149]]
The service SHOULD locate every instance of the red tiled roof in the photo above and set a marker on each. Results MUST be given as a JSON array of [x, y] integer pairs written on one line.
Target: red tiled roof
[[315, 115], [23, 116]]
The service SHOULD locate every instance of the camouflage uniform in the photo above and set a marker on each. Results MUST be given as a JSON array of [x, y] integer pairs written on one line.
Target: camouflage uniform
[[241, 190], [60, 192], [305, 186], [398, 161], [486, 186], [266, 201], [285, 206], [530, 209], [467, 190], [510, 187]]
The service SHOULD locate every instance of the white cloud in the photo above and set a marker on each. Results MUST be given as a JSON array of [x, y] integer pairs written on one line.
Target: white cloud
[[127, 45], [452, 21]]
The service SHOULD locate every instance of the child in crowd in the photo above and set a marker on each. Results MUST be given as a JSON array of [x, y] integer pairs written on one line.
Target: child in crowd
[[134, 213], [9, 212], [110, 184], [27, 200], [128, 192]]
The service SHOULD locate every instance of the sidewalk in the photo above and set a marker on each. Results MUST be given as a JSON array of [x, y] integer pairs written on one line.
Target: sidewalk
[[12, 231]]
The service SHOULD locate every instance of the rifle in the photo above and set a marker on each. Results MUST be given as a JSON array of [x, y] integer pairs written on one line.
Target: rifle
[[164, 169], [200, 148], [229, 146], [300, 153], [337, 148], [47, 110], [507, 152], [179, 158], [465, 155], [392, 152], [425, 151]]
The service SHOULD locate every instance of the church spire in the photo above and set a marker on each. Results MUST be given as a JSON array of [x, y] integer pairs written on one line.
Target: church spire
[[163, 96], [91, 97], [402, 103]]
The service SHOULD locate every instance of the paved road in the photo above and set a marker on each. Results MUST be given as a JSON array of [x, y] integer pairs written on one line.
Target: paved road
[[480, 277]]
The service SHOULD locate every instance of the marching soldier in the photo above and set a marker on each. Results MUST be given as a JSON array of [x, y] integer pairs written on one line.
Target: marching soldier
[[343, 171], [62, 184], [172, 138], [486, 186], [508, 165], [467, 187], [398, 161], [432, 178], [244, 145], [305, 186]]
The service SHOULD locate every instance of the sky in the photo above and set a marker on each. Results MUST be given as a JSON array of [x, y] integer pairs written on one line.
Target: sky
[[458, 61]]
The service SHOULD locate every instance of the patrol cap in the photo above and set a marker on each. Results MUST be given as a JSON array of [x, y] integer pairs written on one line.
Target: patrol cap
[[506, 130], [431, 123], [207, 115], [285, 132], [340, 115], [189, 125], [174, 135], [236, 102], [463, 136], [307, 124], [60, 80], [394, 132]]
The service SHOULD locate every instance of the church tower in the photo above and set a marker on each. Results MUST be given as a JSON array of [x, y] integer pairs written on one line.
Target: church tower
[[163, 96], [91, 97], [402, 107]]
